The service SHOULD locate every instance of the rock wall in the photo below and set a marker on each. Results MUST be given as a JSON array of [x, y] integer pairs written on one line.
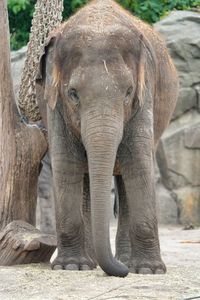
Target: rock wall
[[178, 155], [17, 64], [45, 204]]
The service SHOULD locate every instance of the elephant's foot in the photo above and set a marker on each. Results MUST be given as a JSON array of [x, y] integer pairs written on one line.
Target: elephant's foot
[[82, 263], [143, 262], [145, 250], [141, 265]]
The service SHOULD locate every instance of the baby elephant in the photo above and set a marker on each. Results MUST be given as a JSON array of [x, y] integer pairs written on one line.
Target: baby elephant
[[107, 88]]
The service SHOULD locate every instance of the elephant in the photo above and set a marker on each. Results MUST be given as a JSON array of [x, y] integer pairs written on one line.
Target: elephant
[[106, 90]]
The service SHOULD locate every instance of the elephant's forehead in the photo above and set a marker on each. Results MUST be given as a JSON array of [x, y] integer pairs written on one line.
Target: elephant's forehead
[[101, 73], [94, 37]]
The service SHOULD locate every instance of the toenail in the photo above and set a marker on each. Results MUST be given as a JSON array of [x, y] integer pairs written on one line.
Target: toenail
[[71, 267], [145, 271]]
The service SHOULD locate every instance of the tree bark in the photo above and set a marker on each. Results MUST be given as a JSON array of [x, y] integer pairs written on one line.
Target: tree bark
[[21, 243], [21, 147]]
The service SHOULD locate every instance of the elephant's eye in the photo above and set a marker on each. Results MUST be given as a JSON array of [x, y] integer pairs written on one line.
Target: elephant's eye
[[73, 95], [128, 94]]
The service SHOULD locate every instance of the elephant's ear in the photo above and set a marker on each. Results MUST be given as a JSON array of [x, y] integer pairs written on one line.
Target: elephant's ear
[[141, 77], [146, 70], [47, 78]]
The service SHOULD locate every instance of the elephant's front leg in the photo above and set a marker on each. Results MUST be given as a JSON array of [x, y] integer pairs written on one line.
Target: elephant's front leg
[[138, 175], [67, 169], [87, 219], [69, 223]]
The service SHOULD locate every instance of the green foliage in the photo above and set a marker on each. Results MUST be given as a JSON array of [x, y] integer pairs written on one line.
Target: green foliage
[[152, 11], [20, 16], [17, 5], [21, 12]]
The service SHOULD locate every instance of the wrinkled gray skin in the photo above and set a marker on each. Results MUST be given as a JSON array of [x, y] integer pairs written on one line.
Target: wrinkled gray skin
[[111, 89]]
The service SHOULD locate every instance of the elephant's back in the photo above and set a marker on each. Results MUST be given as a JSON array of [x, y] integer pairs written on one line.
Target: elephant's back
[[100, 15]]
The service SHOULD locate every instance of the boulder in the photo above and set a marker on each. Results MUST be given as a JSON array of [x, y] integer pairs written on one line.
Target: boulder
[[166, 206], [178, 153], [188, 204], [181, 33]]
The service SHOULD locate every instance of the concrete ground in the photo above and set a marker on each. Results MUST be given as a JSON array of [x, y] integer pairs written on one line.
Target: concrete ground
[[180, 251]]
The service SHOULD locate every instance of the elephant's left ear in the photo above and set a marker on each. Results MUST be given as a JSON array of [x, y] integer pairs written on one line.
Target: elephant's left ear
[[146, 70], [141, 77], [46, 79]]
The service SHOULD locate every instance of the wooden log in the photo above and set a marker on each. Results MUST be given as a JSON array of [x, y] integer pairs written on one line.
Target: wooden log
[[21, 150], [21, 243], [21, 147]]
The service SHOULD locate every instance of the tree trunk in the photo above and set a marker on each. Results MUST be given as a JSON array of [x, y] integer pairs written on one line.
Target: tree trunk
[[21, 147]]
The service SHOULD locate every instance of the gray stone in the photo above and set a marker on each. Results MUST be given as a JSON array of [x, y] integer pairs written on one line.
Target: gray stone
[[179, 165], [181, 32], [167, 207], [187, 100], [192, 137], [17, 64], [188, 202], [45, 205], [178, 152]]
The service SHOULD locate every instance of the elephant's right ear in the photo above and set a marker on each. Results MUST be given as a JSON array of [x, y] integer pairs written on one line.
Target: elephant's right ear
[[47, 78]]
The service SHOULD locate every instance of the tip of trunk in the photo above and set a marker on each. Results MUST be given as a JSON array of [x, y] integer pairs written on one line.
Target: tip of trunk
[[106, 261], [114, 268]]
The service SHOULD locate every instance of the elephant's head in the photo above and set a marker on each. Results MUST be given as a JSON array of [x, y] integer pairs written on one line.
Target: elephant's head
[[101, 81]]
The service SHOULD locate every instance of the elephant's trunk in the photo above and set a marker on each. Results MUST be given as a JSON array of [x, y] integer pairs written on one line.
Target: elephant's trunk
[[101, 137]]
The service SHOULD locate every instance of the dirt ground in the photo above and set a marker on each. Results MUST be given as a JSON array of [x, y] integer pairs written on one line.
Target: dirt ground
[[182, 281]]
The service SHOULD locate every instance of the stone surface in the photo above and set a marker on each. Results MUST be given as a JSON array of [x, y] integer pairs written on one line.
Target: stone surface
[[166, 205], [17, 63], [45, 205], [187, 101], [179, 164], [178, 153], [192, 137], [181, 32], [187, 199]]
